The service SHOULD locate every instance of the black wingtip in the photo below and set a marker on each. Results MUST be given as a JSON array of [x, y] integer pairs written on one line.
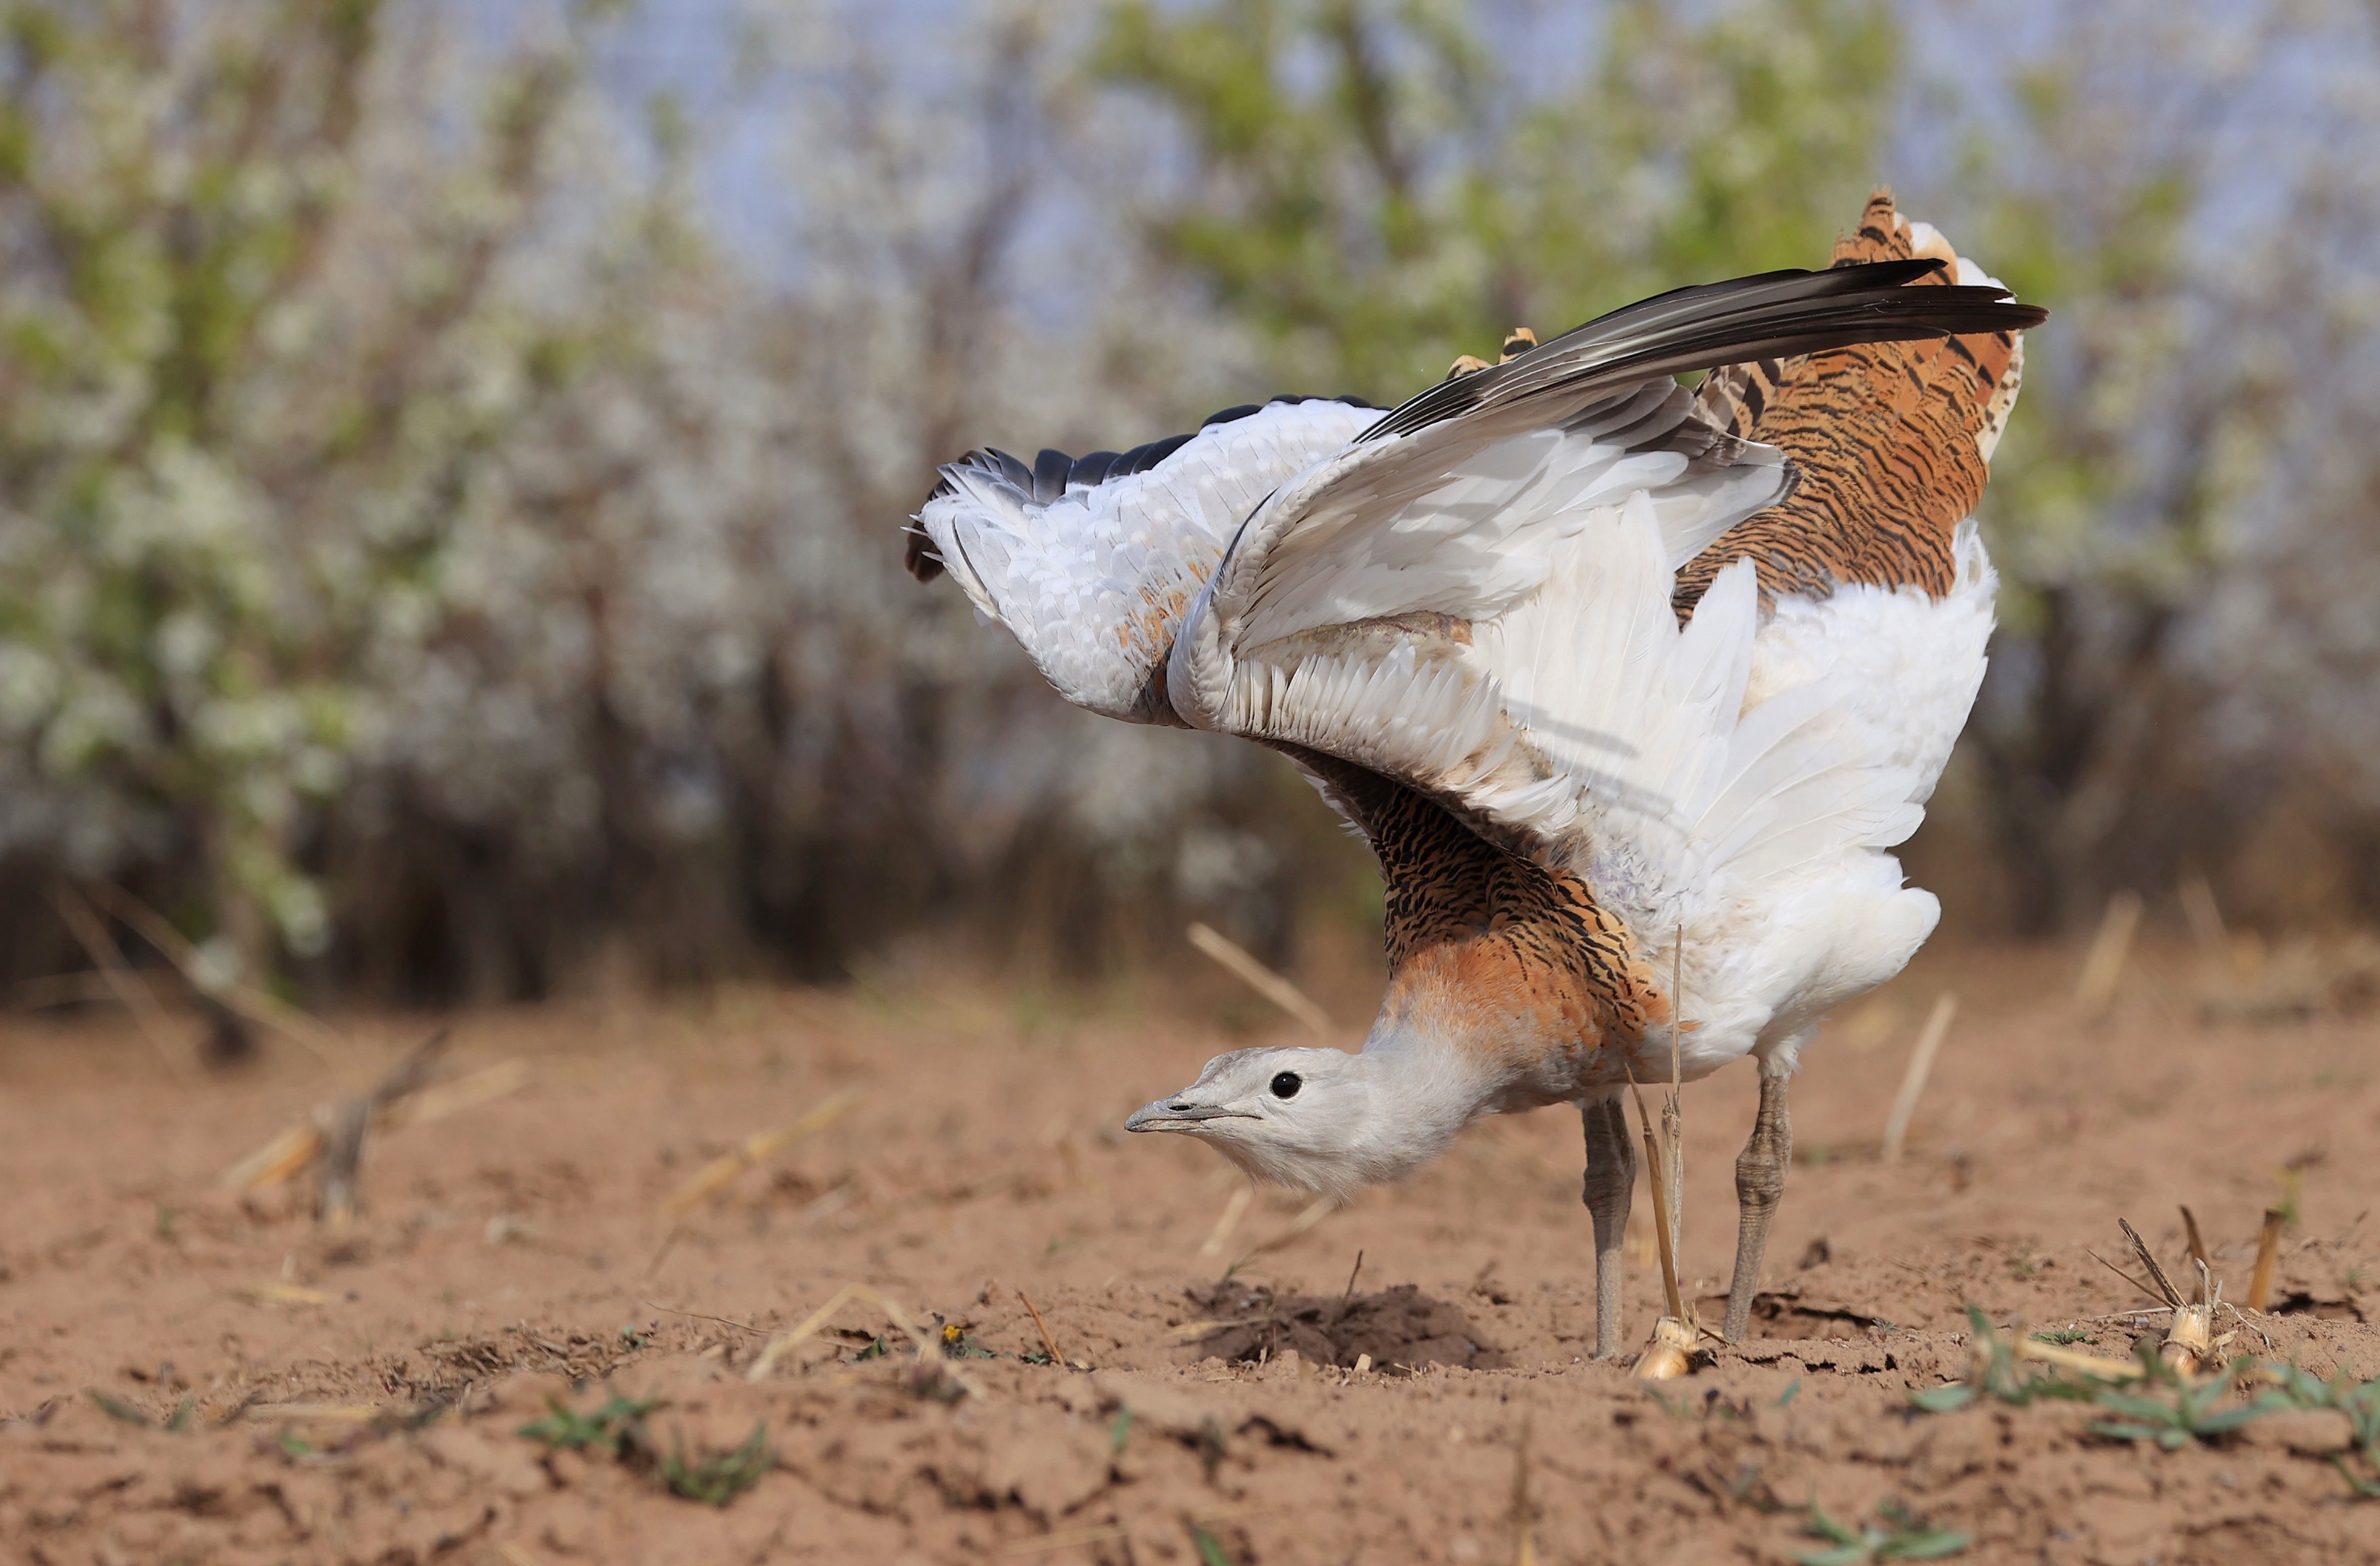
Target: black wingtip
[[919, 556], [1053, 472], [1707, 325]]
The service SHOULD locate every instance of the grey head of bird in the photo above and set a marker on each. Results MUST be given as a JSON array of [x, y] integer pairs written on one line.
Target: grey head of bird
[[1319, 1120]]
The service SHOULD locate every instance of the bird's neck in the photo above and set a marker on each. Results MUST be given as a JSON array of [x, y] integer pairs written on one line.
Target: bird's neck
[[1520, 1031], [1420, 1092]]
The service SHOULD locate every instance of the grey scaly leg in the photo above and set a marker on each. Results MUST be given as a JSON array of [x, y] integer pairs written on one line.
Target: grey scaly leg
[[1759, 1181], [1610, 1180]]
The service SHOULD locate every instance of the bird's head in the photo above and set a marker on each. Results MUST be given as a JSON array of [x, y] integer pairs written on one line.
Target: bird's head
[[1317, 1120]]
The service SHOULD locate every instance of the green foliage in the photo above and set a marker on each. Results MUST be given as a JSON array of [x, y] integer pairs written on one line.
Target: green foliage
[[1210, 1549], [1761, 127], [2178, 1409], [2169, 1408], [116, 1408], [1899, 1538], [1997, 1375], [616, 1428], [184, 1418], [260, 350], [722, 1476], [2360, 1401], [1375, 196], [2154, 406], [2186, 1411]]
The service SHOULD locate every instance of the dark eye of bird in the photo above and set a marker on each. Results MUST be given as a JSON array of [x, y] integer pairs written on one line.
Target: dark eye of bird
[[1286, 1085]]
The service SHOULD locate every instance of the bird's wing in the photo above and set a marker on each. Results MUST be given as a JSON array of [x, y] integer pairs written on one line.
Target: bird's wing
[[1474, 600], [1090, 562], [1891, 440]]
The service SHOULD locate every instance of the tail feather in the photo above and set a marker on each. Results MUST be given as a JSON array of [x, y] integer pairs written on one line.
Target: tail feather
[[1891, 440]]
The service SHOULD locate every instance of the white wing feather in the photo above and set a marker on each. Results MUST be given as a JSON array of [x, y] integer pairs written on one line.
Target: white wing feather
[[1094, 583], [1497, 631]]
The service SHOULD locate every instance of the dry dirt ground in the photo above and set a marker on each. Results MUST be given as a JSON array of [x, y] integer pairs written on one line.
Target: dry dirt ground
[[363, 1397]]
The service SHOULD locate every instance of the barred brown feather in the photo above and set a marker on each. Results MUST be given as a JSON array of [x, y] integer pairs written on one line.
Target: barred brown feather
[[1889, 439]]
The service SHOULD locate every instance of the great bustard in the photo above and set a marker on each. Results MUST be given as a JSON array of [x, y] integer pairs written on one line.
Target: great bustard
[[1620, 681]]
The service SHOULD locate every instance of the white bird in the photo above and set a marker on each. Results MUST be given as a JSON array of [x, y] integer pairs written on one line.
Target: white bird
[[1619, 682]]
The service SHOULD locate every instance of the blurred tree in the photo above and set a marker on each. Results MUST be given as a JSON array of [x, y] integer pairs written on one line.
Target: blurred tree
[[2131, 491], [260, 333], [1373, 194]]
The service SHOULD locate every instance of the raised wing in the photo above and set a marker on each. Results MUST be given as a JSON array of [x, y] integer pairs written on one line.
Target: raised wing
[[1090, 562], [1475, 601]]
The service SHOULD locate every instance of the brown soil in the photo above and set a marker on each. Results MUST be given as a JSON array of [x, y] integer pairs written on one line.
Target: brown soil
[[507, 1256]]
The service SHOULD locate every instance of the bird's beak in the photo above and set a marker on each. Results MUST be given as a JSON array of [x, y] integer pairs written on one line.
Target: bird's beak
[[1179, 1115]]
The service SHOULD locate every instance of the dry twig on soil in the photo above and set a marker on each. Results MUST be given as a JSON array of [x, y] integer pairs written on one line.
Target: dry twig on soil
[[2103, 969], [2189, 1343], [756, 1149], [126, 986], [1236, 960], [1311, 1214], [331, 1138], [932, 1376], [242, 999], [1228, 1220], [1670, 1352], [1043, 1328], [1913, 1081], [2268, 1250]]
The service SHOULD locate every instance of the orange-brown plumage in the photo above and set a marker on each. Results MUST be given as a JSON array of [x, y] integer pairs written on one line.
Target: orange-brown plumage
[[1890, 439], [1522, 958]]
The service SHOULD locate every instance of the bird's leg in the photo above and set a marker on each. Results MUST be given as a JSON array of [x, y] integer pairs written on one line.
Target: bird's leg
[[1759, 1181], [1610, 1180]]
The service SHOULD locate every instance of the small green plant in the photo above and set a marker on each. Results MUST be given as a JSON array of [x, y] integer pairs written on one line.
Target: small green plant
[[615, 1427], [184, 1415], [957, 1343], [1749, 1488], [719, 1478], [116, 1408], [2000, 1375], [1210, 1549], [1899, 1538], [2065, 1337], [1121, 1431], [2360, 1401], [2187, 1411], [1682, 1409], [876, 1349]]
